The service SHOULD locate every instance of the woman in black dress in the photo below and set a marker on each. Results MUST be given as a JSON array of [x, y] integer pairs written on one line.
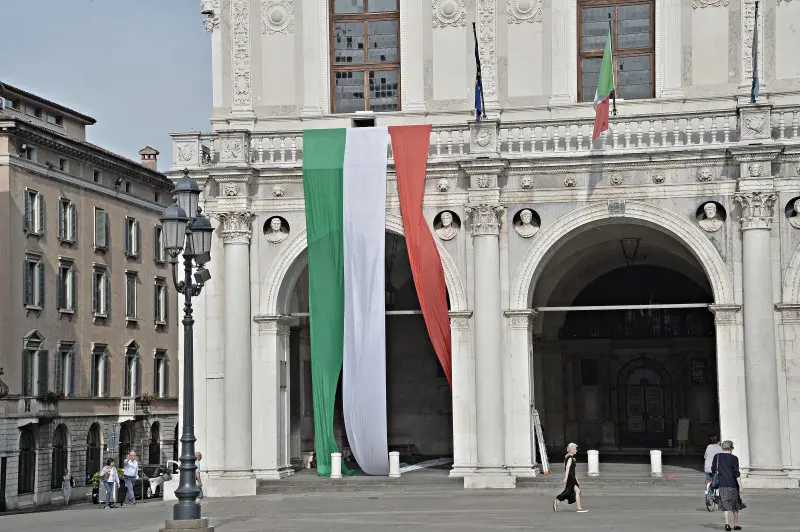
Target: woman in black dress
[[726, 466], [572, 490]]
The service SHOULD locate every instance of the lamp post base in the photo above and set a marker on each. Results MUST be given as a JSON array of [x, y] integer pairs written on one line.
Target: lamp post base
[[192, 525]]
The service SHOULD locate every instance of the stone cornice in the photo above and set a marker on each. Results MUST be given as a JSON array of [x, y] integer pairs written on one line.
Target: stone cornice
[[93, 155], [279, 325], [753, 153], [790, 313], [460, 320], [77, 182], [520, 319]]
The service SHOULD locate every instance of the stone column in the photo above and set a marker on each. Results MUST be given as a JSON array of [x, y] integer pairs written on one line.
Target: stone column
[[759, 333], [490, 416], [560, 63], [668, 21], [520, 440], [465, 446], [271, 417], [412, 63], [731, 380], [789, 346], [211, 24], [313, 75], [236, 232]]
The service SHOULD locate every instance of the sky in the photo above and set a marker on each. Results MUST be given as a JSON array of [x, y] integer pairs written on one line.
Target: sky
[[141, 68]]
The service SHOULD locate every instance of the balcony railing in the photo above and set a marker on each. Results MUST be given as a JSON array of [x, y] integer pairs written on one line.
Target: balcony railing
[[37, 407], [549, 137]]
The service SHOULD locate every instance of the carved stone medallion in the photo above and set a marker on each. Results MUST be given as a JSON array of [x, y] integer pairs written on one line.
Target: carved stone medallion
[[659, 179], [277, 17], [705, 174], [451, 13], [278, 191], [569, 182], [231, 189], [185, 152], [443, 185], [526, 182], [755, 169], [519, 11], [616, 179]]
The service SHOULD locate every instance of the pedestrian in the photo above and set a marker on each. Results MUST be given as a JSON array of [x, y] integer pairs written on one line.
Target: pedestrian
[[572, 490], [197, 457], [67, 483], [712, 450], [110, 479], [130, 470], [726, 466]]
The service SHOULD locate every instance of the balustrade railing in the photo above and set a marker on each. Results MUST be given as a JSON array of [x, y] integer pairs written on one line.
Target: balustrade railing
[[547, 137]]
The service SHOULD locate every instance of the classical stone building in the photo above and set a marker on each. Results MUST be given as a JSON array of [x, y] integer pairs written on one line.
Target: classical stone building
[[86, 320], [639, 292]]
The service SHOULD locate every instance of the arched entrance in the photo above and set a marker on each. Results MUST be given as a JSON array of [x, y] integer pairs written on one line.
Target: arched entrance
[[419, 400], [624, 343], [27, 461], [154, 450], [94, 452], [126, 439], [60, 458]]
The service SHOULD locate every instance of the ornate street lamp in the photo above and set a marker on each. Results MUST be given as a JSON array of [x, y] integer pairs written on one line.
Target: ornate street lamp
[[187, 230]]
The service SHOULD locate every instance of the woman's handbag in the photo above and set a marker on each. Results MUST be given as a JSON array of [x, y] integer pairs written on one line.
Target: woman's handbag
[[715, 478]]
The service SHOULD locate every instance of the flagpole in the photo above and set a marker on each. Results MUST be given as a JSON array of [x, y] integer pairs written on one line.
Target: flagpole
[[478, 61], [613, 70], [754, 87]]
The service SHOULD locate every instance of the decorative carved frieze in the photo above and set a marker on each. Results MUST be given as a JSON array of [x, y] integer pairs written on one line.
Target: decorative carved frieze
[[278, 191], [789, 313], [705, 174], [240, 21], [757, 209], [699, 4], [235, 148], [276, 325], [451, 13], [485, 219], [748, 29], [483, 138], [520, 319], [234, 227], [487, 45], [755, 123], [231, 189], [616, 179], [212, 21], [277, 17], [520, 11], [724, 314], [616, 207]]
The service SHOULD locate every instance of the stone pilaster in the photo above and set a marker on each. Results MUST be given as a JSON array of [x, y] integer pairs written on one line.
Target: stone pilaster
[[731, 377], [759, 333], [271, 458], [242, 89], [465, 437], [487, 47], [312, 65], [485, 228], [520, 441], [235, 232], [669, 28], [788, 347], [560, 69]]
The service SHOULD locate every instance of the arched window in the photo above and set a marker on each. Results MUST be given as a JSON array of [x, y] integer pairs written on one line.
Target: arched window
[[27, 461], [60, 456], [155, 444], [133, 370], [633, 34], [93, 451], [125, 442], [365, 55]]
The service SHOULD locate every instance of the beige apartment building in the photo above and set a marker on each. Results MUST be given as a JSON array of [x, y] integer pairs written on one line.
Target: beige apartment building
[[88, 317]]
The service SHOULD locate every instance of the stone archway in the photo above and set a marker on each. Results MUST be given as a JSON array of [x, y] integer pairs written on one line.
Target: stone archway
[[281, 277]]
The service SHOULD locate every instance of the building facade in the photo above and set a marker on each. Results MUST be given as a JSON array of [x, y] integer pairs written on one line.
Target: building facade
[[638, 292], [88, 320]]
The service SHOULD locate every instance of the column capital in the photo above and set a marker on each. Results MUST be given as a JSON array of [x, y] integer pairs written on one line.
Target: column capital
[[520, 319], [790, 313], [485, 219], [725, 314], [235, 226], [273, 324], [460, 320], [757, 209]]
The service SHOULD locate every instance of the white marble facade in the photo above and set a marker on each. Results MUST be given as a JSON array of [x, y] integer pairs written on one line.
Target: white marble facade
[[696, 143]]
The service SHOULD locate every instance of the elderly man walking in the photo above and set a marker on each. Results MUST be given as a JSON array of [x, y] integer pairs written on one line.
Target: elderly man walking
[[130, 470]]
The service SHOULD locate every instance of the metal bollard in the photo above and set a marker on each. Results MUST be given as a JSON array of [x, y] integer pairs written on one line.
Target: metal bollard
[[594, 463], [336, 465], [655, 464], [394, 464]]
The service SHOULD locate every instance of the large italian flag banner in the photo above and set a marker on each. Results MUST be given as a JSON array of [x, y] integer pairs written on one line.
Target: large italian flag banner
[[344, 180]]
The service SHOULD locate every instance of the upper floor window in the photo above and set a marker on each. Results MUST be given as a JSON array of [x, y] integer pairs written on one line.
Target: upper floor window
[[67, 286], [161, 373], [65, 369], [161, 302], [33, 111], [67, 220], [33, 282], [632, 23], [97, 176], [133, 370], [12, 104], [100, 377], [33, 220], [365, 55], [57, 120], [101, 299], [101, 229], [34, 365], [130, 296], [158, 244], [132, 237]]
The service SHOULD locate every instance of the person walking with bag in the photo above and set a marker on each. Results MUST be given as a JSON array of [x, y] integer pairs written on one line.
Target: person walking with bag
[[726, 477], [572, 490], [110, 479]]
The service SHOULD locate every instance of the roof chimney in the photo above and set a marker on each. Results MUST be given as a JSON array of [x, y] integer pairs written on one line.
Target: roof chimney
[[149, 157]]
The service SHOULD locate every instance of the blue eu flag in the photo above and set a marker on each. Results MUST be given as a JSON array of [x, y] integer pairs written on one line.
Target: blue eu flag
[[479, 107]]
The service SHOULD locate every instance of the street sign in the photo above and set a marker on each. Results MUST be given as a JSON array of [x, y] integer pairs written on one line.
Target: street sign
[[113, 437]]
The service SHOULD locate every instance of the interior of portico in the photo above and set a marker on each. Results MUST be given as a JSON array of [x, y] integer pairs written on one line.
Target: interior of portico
[[620, 380], [419, 399]]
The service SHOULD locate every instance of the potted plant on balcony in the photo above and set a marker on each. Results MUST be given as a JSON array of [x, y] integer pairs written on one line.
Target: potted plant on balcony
[[145, 399], [52, 397]]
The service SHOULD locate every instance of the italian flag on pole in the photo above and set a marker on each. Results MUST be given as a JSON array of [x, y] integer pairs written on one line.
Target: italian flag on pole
[[344, 182], [605, 86]]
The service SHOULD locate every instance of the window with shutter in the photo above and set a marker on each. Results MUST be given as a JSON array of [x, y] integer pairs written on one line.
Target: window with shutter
[[128, 239], [40, 287], [73, 289], [158, 244], [72, 390], [130, 296], [29, 274], [128, 360], [59, 374], [97, 363], [165, 366], [27, 372], [100, 289], [137, 389], [106, 375], [73, 227], [43, 380], [137, 240], [41, 212], [62, 217], [106, 294], [156, 372], [27, 216], [100, 229]]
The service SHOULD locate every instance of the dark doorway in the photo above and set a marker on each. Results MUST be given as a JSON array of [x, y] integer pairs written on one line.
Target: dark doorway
[[125, 442], [93, 452], [3, 469], [154, 450], [59, 458], [645, 413], [27, 461]]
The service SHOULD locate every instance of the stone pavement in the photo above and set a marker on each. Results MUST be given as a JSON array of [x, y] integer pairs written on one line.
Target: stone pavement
[[619, 510]]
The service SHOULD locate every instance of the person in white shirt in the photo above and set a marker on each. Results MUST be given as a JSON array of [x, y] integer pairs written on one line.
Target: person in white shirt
[[130, 470], [712, 450], [110, 479], [197, 457]]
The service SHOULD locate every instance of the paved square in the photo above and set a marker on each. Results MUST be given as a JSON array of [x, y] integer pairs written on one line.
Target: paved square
[[432, 511]]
